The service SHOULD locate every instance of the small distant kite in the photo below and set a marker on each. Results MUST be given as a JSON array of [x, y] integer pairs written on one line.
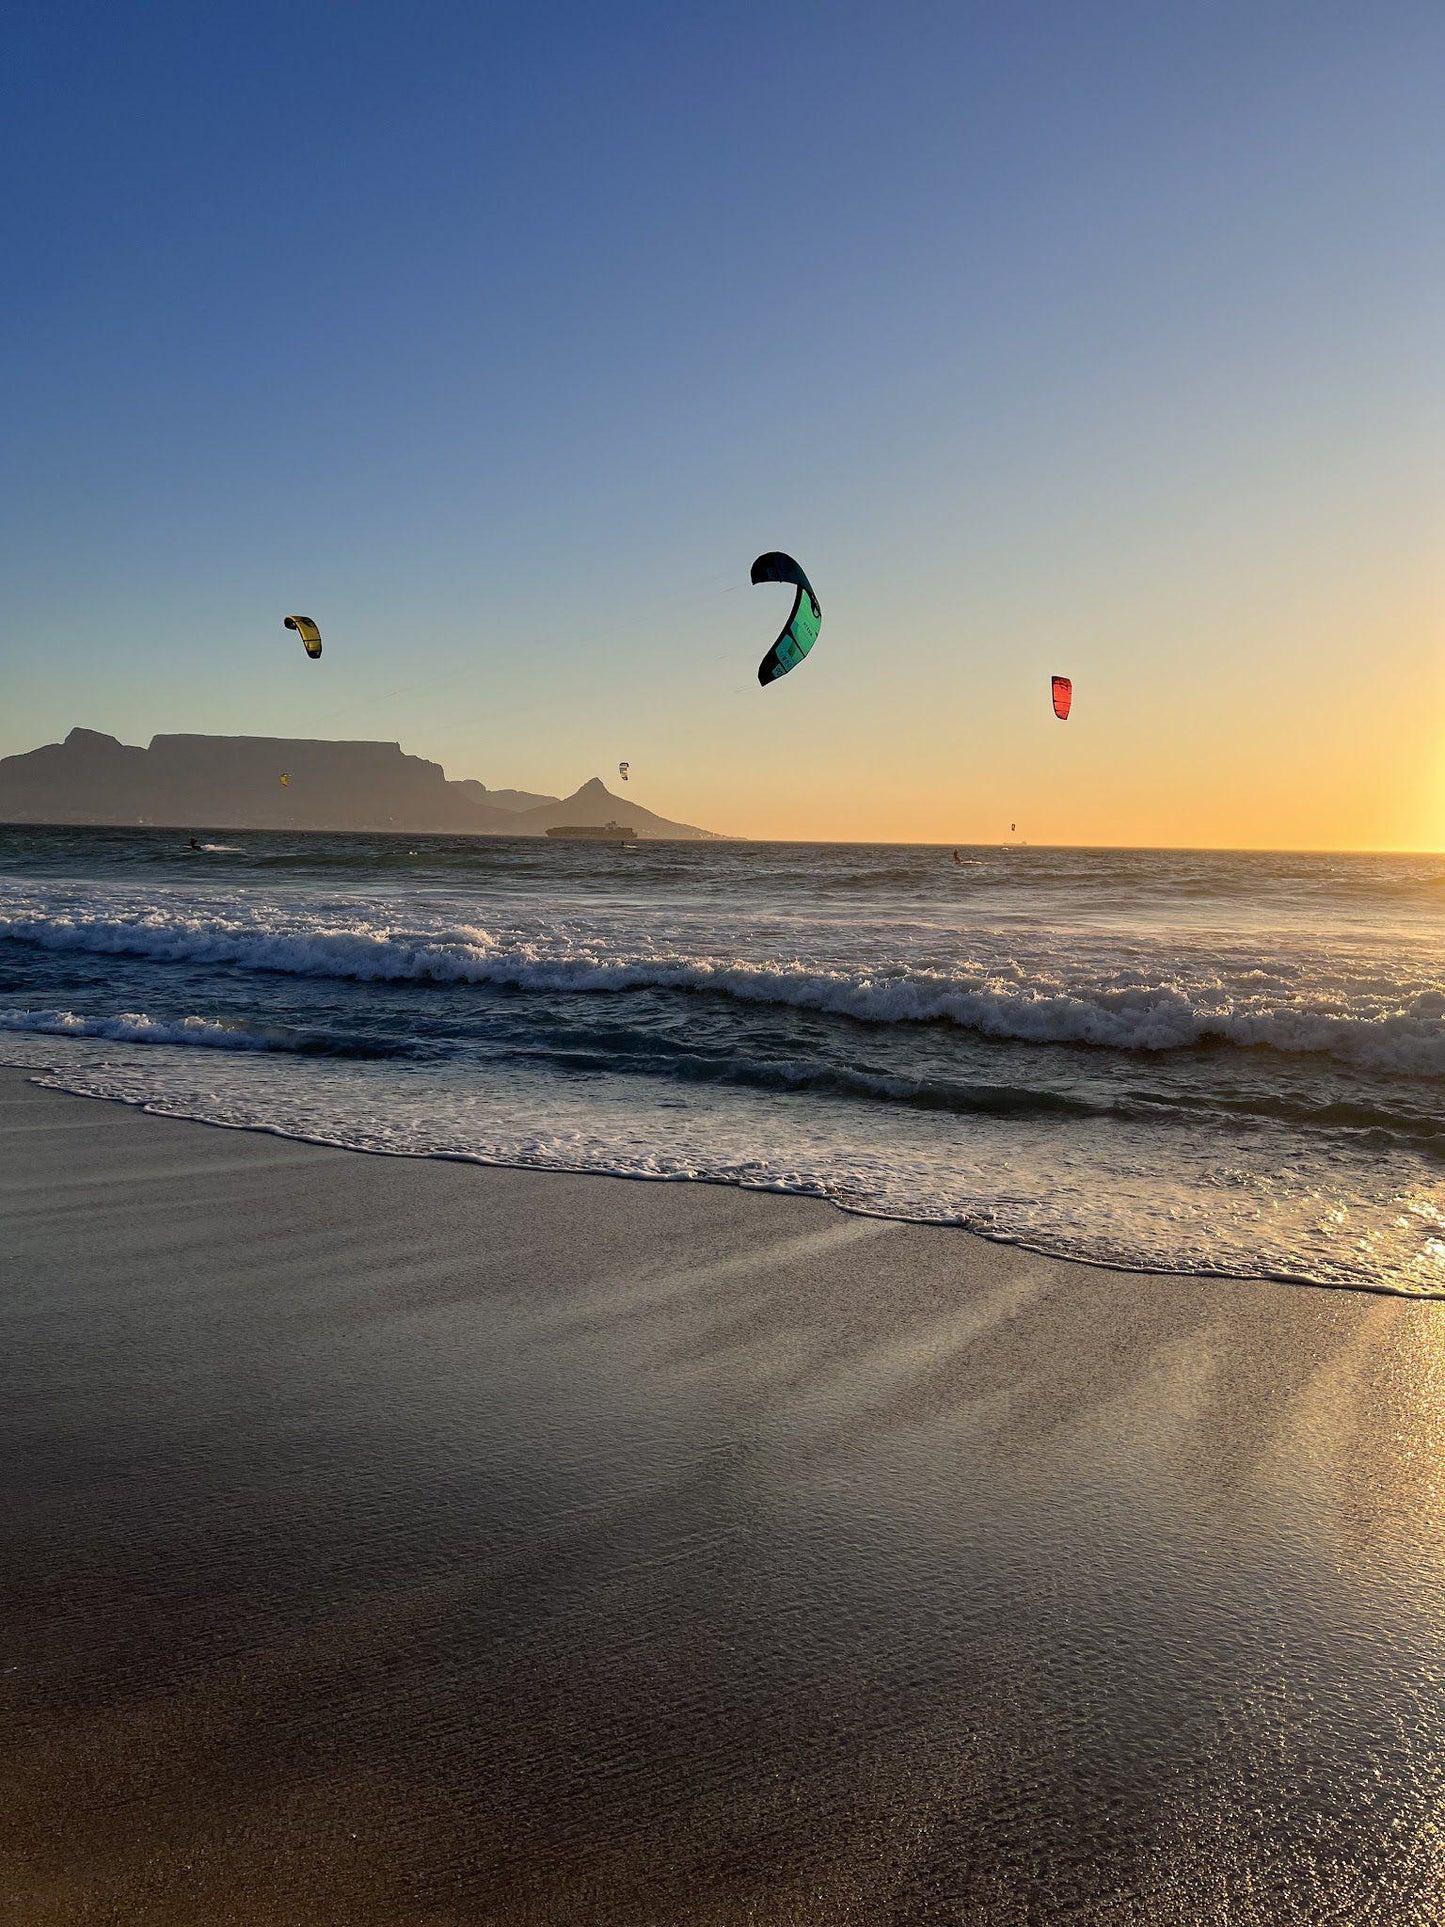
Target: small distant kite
[[622, 769], [310, 635], [1063, 697], [800, 631], [285, 780]]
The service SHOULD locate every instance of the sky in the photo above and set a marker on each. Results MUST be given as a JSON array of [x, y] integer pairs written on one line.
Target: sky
[[1104, 340]]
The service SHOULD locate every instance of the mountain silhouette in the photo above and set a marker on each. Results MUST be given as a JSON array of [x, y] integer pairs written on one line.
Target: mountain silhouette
[[235, 782], [595, 804]]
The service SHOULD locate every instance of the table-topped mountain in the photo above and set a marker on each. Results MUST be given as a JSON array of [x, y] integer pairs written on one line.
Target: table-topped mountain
[[281, 783]]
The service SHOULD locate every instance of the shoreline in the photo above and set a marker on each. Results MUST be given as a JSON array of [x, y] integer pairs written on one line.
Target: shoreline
[[1296, 1281], [410, 1541]]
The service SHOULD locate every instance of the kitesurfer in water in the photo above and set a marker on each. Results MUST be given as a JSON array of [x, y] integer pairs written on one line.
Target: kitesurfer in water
[[194, 844], [956, 857]]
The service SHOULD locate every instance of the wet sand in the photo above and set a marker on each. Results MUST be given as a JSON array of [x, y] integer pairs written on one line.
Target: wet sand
[[406, 1542]]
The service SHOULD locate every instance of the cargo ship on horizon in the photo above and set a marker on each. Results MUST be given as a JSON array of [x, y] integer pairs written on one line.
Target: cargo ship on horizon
[[594, 833]]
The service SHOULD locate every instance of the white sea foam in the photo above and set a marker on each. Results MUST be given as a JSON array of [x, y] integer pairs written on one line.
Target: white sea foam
[[1133, 1198], [134, 1027], [1394, 1025]]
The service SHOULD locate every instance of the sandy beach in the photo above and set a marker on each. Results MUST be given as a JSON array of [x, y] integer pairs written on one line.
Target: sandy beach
[[404, 1541]]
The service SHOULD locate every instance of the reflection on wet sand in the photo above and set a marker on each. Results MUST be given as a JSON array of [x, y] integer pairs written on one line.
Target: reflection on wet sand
[[406, 1542]]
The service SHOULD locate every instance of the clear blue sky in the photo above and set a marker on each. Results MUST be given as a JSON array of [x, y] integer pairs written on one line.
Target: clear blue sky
[[500, 338]]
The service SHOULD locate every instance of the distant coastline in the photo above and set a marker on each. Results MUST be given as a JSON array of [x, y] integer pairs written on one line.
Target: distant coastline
[[281, 783]]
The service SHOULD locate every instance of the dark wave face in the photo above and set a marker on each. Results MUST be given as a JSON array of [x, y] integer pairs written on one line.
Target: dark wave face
[[1196, 1060]]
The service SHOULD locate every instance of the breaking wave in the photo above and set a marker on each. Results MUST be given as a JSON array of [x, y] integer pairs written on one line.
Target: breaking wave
[[135, 1027], [1396, 1029], [202, 1033]]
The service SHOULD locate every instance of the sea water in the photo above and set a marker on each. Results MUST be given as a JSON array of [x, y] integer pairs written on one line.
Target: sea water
[[1191, 1061]]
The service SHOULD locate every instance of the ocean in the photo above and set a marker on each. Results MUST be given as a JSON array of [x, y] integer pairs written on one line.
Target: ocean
[[1199, 1062]]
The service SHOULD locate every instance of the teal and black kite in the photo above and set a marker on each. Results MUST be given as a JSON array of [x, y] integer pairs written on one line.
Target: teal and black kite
[[800, 631]]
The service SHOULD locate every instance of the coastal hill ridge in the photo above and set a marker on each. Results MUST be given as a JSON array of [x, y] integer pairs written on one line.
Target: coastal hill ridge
[[235, 783]]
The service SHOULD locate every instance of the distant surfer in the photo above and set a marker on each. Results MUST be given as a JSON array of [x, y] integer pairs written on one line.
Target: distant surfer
[[956, 857], [194, 844]]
